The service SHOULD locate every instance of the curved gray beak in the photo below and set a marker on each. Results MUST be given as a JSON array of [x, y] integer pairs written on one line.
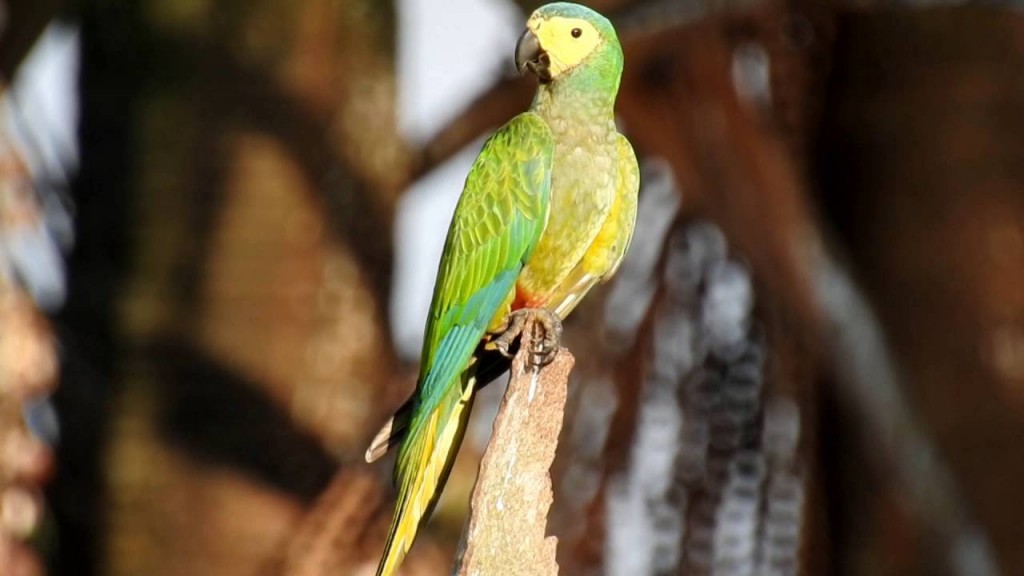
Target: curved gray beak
[[529, 55]]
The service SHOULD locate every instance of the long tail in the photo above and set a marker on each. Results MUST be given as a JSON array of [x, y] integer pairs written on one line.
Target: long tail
[[424, 461]]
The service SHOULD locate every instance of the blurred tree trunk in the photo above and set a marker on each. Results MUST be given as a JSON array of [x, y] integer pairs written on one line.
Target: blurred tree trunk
[[108, 86], [247, 154], [921, 174]]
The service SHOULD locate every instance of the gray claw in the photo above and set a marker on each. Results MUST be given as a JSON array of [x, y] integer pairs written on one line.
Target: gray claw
[[547, 333]]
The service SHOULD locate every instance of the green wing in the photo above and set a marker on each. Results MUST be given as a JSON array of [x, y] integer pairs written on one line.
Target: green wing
[[499, 218], [496, 224]]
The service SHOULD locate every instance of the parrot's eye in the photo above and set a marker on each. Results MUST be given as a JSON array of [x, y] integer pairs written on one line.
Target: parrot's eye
[[576, 32]]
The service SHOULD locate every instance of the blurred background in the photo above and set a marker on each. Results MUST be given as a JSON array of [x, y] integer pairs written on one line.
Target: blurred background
[[219, 228]]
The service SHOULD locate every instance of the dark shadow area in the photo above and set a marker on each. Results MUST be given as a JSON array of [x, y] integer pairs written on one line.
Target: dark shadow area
[[221, 418], [108, 87]]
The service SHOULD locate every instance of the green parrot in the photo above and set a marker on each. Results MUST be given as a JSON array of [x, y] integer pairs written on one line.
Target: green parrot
[[547, 212]]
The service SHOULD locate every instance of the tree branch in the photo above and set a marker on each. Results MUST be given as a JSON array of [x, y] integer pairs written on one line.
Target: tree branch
[[509, 509]]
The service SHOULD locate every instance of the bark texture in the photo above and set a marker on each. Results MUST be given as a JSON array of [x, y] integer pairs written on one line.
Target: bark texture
[[509, 509]]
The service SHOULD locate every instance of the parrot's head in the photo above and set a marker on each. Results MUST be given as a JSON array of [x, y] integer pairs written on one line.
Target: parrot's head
[[562, 38]]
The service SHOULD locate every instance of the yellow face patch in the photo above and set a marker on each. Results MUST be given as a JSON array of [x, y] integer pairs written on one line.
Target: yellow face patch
[[566, 40]]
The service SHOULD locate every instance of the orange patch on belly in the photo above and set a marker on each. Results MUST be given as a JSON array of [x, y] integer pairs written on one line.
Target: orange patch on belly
[[525, 300]]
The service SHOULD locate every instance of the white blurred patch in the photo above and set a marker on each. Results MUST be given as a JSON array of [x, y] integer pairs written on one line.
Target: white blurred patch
[[648, 506], [738, 516], [727, 305], [36, 262], [448, 54], [751, 74], [645, 536], [40, 114], [712, 486], [43, 108]]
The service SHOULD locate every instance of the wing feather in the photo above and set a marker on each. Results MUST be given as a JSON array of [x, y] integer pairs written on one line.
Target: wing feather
[[498, 221]]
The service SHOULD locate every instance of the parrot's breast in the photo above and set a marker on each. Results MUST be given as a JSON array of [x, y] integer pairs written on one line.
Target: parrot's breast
[[583, 189]]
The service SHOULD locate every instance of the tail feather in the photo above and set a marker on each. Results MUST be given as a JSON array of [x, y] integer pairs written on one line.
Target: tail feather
[[391, 434], [424, 462], [491, 364]]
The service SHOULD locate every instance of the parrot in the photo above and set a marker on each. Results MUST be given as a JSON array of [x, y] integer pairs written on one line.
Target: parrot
[[546, 213]]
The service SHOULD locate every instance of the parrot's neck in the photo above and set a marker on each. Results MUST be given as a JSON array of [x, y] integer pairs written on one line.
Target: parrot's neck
[[583, 99]]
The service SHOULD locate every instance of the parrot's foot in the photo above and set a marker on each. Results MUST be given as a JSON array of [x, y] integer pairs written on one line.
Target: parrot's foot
[[547, 334]]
